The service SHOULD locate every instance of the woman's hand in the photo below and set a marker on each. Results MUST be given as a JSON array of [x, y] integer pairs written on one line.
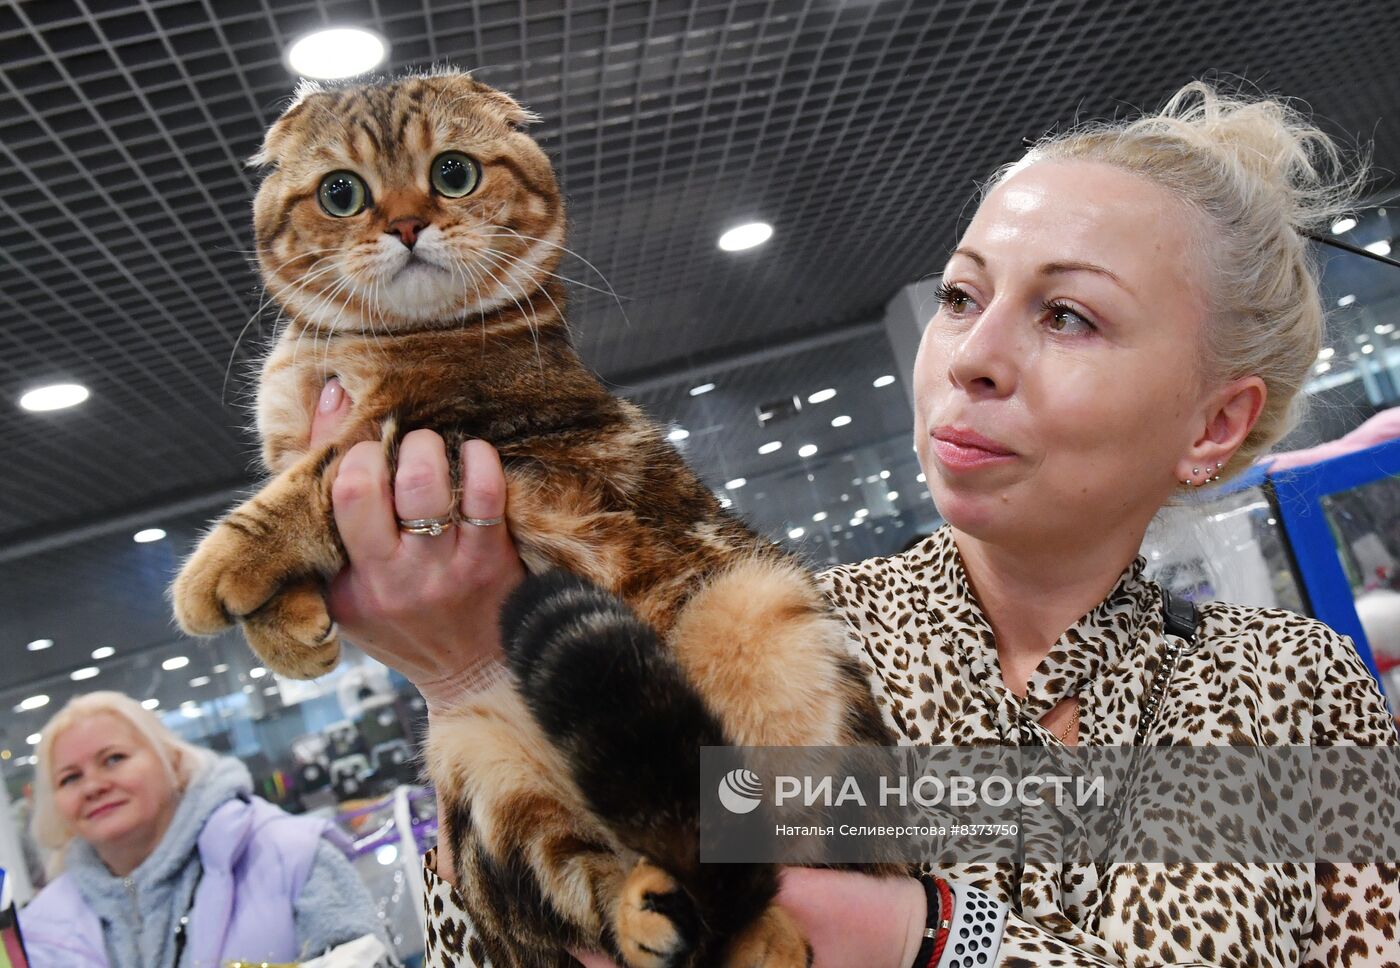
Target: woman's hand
[[852, 920], [426, 606]]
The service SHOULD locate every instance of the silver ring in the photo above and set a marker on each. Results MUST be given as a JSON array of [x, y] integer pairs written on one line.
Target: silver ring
[[429, 526], [485, 522]]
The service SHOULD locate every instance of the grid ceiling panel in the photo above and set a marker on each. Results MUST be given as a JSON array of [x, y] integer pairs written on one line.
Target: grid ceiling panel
[[859, 129]]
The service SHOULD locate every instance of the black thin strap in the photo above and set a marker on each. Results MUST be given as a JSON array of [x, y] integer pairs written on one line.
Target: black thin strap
[[1179, 615]]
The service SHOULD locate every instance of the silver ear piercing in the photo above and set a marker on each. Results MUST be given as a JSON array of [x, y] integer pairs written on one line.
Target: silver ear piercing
[[1212, 475]]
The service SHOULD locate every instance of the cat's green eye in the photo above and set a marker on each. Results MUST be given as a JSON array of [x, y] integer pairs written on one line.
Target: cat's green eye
[[454, 174], [343, 193]]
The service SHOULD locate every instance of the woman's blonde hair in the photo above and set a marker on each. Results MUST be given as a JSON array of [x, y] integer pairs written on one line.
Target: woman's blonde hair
[[182, 760], [1260, 174]]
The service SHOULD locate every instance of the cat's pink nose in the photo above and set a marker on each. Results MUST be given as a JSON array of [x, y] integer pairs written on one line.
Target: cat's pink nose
[[407, 229]]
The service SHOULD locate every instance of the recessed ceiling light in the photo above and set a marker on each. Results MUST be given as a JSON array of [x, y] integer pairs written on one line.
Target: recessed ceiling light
[[338, 52], [106, 652], [796, 533], [58, 396], [855, 523], [87, 672], [1343, 225], [39, 645], [872, 478], [1379, 248], [883, 381], [677, 435], [861, 512], [1323, 367], [175, 662], [1326, 353], [190, 710], [921, 478], [33, 702], [1368, 348], [884, 475], [892, 496], [248, 688], [702, 388], [770, 447], [148, 535], [198, 681], [745, 236], [821, 396], [840, 421], [807, 450], [819, 517], [220, 668], [33, 738], [1385, 328], [257, 672], [1346, 300], [737, 483], [149, 703]]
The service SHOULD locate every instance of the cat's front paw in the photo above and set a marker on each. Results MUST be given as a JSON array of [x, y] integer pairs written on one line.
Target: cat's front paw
[[293, 633], [772, 941], [656, 924], [225, 579]]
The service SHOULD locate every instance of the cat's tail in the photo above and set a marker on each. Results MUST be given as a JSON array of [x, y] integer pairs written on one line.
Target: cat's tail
[[610, 694]]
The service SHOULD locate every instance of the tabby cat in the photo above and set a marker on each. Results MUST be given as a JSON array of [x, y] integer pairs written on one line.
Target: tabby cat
[[410, 231]]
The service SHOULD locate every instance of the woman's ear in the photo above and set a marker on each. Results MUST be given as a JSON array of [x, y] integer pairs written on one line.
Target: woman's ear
[[1229, 416]]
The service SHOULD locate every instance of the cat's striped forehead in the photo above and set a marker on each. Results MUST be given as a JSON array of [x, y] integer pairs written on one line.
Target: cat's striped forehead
[[383, 123]]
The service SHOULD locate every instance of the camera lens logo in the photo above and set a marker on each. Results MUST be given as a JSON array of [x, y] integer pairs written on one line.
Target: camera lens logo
[[740, 791]]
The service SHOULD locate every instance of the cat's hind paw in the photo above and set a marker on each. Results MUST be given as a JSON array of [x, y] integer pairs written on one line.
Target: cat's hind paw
[[656, 924], [225, 579]]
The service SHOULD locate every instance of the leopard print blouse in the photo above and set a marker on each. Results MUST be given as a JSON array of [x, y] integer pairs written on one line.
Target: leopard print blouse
[[1256, 676]]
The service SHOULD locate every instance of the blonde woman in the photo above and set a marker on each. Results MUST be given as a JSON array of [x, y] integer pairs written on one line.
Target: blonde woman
[[1130, 316], [167, 860]]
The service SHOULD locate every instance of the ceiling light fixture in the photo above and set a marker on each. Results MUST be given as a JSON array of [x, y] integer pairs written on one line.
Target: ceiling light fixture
[[822, 396], [149, 703], [745, 236], [840, 421], [33, 738], [892, 496], [677, 435], [1326, 353], [807, 450], [39, 645], [1385, 328], [1345, 224], [1379, 248], [819, 517], [1346, 300], [105, 652], [771, 446], [737, 483], [57, 396], [257, 672], [175, 662], [883, 381], [148, 535], [87, 672], [702, 388], [796, 533], [198, 681], [33, 702], [337, 52]]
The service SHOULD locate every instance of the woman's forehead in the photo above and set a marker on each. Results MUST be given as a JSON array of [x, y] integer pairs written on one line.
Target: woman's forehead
[[89, 736], [1082, 211]]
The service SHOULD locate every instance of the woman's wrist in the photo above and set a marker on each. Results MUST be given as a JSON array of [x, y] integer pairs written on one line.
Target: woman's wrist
[[445, 693]]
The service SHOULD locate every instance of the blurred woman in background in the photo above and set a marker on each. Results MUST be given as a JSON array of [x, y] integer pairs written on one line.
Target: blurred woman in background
[[166, 857]]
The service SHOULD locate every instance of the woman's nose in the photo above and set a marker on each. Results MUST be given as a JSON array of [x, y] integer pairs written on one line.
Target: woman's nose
[[987, 357]]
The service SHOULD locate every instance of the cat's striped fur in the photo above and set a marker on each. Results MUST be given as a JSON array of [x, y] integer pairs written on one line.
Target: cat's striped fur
[[735, 642]]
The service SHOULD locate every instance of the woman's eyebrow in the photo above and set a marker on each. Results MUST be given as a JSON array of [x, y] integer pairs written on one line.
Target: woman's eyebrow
[[1054, 268]]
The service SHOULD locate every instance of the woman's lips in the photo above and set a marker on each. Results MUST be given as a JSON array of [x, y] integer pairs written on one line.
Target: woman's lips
[[962, 449], [104, 809]]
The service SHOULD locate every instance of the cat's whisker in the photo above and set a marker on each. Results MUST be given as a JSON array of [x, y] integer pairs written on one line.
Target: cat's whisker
[[494, 254], [563, 248], [529, 318], [233, 353]]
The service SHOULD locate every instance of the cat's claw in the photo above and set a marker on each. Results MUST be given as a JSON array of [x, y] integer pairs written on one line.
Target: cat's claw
[[293, 634]]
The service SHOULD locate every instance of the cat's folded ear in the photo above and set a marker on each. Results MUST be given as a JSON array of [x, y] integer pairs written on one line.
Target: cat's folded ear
[[506, 108], [279, 135]]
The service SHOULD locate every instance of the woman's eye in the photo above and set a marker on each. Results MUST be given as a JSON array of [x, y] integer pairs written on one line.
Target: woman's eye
[[1063, 319], [954, 298], [454, 174], [64, 781], [114, 758], [342, 194]]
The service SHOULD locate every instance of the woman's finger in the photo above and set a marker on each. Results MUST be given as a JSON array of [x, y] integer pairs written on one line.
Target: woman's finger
[[483, 500], [423, 490], [364, 505], [331, 410]]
